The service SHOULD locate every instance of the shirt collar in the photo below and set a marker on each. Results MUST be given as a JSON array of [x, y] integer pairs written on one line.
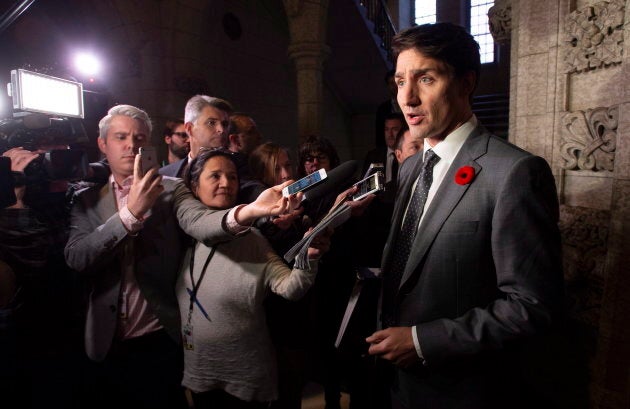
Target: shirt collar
[[125, 184], [450, 146]]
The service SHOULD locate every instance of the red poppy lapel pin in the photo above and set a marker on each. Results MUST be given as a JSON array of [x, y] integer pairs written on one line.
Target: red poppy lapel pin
[[464, 175]]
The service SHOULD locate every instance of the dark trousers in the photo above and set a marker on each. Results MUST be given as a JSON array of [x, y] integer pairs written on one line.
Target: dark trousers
[[219, 399], [143, 372]]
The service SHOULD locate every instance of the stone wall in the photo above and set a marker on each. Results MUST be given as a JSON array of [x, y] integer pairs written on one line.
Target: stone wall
[[569, 104]]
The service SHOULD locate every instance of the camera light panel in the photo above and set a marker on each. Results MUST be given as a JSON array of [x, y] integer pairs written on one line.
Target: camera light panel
[[35, 92]]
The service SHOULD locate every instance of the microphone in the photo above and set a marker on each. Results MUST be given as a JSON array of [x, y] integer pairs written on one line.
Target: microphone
[[336, 179]]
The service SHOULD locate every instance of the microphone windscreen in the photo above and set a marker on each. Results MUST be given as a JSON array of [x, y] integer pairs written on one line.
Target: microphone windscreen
[[336, 179]]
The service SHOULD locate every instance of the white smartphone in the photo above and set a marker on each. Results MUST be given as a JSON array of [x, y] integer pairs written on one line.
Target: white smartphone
[[371, 184], [305, 183], [148, 159]]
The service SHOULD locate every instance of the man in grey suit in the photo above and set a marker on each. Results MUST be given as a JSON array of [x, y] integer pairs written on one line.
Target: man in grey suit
[[206, 121], [472, 271], [128, 236]]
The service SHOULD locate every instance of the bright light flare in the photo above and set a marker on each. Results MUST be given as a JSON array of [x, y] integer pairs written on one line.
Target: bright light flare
[[87, 64]]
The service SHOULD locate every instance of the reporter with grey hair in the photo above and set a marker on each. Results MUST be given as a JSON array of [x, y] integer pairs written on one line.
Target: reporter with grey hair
[[206, 121]]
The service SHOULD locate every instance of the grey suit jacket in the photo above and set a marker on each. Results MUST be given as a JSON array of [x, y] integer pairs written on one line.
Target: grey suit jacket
[[98, 238], [175, 169], [485, 267]]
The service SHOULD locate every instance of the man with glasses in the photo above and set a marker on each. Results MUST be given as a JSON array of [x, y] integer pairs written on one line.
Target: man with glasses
[[206, 121], [176, 139]]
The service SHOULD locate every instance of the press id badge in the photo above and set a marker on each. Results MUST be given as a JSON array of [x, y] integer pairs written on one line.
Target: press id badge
[[187, 337]]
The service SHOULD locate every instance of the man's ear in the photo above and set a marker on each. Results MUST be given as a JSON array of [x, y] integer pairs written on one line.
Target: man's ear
[[398, 154], [102, 144], [234, 140], [188, 128], [168, 139], [469, 81]]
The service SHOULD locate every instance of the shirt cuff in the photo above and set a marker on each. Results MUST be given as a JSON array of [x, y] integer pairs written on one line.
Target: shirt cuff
[[131, 222], [416, 343], [232, 225]]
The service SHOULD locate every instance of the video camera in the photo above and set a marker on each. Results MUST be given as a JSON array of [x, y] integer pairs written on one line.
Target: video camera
[[48, 112]]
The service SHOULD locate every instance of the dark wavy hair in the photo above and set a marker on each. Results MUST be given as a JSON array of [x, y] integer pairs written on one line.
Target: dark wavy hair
[[446, 42], [195, 167]]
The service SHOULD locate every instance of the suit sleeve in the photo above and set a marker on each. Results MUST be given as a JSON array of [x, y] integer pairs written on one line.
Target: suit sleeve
[[525, 248], [197, 220], [89, 244]]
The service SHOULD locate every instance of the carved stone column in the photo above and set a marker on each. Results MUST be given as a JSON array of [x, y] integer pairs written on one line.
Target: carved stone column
[[500, 20], [307, 26]]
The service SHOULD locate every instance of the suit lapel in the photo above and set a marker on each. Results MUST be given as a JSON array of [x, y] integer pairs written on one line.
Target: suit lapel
[[445, 200], [105, 204]]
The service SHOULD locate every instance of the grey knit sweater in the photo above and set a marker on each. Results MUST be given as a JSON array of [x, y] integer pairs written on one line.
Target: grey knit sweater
[[233, 349]]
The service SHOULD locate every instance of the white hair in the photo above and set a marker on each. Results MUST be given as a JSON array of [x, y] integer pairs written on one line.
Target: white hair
[[125, 110]]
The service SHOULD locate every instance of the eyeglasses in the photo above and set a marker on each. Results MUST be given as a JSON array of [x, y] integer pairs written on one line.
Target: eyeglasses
[[320, 158], [182, 135]]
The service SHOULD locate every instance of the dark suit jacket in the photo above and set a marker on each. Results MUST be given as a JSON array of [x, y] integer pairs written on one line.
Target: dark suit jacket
[[484, 274], [175, 169], [98, 239]]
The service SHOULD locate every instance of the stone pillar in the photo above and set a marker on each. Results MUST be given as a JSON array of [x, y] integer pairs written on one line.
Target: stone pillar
[[307, 26]]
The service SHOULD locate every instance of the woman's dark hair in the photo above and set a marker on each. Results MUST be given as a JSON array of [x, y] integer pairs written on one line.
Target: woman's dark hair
[[313, 145], [445, 42], [195, 167]]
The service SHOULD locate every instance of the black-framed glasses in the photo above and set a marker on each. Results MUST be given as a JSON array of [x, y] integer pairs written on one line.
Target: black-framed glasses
[[320, 158], [182, 135]]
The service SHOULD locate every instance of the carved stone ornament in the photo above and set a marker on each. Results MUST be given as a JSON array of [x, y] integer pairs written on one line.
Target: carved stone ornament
[[594, 36], [590, 139], [500, 20], [584, 246]]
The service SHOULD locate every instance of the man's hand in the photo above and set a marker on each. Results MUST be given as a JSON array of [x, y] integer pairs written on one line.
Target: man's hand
[[144, 190], [284, 221], [20, 158], [357, 206], [320, 244], [394, 344], [269, 203]]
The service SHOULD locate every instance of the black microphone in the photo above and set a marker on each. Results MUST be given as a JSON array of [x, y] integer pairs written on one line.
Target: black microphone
[[336, 178]]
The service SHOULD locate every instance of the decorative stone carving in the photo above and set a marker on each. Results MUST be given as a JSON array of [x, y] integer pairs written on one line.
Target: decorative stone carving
[[584, 243], [590, 139], [500, 21], [594, 36]]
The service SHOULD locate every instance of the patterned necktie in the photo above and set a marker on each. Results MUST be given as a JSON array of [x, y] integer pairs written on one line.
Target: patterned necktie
[[405, 238]]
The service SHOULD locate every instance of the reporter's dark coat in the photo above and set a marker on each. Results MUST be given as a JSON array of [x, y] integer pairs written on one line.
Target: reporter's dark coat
[[484, 275]]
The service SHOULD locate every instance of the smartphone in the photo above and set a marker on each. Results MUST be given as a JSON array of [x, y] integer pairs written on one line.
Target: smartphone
[[148, 159], [372, 184], [374, 167], [305, 183]]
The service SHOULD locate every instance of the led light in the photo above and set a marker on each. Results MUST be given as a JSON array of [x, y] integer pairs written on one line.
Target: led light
[[36, 92]]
